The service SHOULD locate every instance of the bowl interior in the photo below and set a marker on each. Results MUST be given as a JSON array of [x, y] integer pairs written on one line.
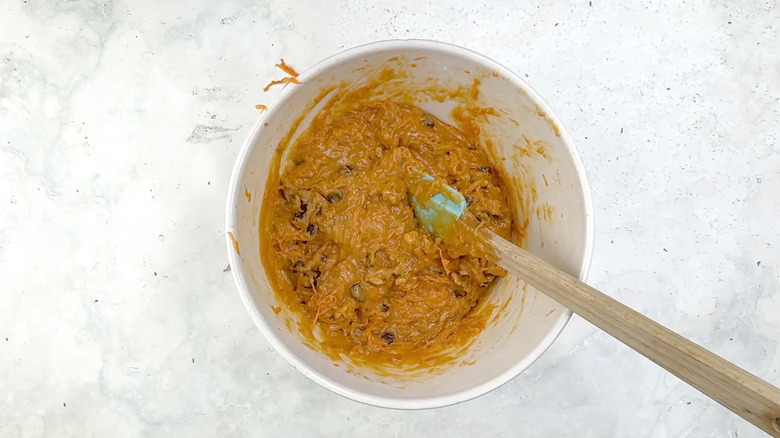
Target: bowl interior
[[549, 196]]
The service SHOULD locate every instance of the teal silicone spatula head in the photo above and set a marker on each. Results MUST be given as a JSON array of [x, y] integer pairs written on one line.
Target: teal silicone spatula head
[[436, 205]]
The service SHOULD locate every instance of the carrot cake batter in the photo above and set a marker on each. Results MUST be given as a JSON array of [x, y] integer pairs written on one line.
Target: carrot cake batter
[[343, 245]]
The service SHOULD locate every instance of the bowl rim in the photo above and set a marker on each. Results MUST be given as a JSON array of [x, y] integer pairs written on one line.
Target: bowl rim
[[242, 283]]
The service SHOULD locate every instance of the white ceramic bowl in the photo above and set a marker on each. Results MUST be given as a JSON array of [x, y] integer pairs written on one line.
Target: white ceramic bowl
[[549, 189]]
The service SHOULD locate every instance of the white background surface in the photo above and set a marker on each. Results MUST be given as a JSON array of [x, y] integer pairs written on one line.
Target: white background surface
[[119, 124]]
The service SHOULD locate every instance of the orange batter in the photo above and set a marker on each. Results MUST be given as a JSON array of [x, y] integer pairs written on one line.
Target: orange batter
[[343, 245]]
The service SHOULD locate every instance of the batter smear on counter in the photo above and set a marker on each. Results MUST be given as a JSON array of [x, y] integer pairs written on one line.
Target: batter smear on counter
[[342, 245]]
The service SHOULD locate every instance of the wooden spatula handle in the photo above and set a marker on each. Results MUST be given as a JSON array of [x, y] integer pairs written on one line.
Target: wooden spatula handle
[[743, 393]]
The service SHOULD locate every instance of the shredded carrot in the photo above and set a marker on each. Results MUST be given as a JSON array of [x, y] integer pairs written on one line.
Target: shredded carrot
[[261, 107], [327, 303], [289, 80], [287, 69], [445, 263]]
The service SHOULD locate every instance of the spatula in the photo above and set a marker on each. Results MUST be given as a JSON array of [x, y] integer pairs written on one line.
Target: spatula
[[440, 208]]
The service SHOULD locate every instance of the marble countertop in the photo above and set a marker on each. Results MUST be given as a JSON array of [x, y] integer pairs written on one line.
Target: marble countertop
[[119, 125]]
